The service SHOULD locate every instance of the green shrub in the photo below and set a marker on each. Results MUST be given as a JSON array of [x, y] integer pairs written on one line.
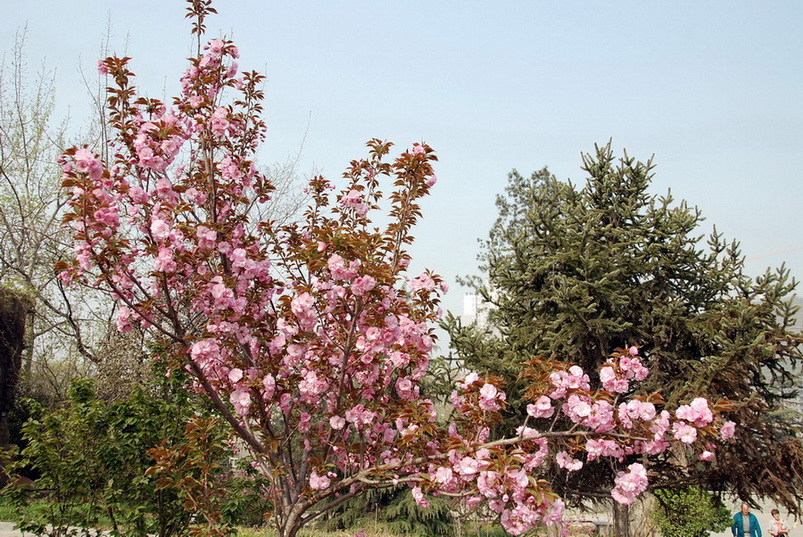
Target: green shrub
[[689, 512], [92, 457]]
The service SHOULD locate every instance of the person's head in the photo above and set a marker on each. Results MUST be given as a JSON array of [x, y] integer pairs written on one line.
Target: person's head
[[745, 508], [775, 513]]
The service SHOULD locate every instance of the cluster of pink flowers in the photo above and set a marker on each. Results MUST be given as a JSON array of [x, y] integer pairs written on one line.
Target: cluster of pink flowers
[[564, 381], [354, 200], [697, 412], [87, 162], [507, 489], [608, 424], [319, 482], [616, 375], [541, 408], [728, 430], [630, 484], [568, 462], [491, 398]]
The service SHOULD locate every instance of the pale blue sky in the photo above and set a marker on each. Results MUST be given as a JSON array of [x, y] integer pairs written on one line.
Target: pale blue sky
[[713, 89]]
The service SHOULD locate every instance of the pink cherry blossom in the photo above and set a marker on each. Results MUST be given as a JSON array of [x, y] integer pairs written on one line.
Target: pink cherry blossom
[[684, 432], [354, 200], [607, 375], [706, 455], [490, 397], [269, 383], [124, 316], [630, 484], [205, 350], [362, 285], [542, 408], [423, 282], [318, 482], [303, 306], [571, 380], [468, 466], [339, 269], [696, 412], [577, 407], [443, 475], [235, 375], [603, 448], [160, 229], [601, 419], [164, 261], [337, 422], [418, 496], [405, 388], [87, 162], [567, 462], [470, 379], [241, 401], [728, 430], [215, 47]]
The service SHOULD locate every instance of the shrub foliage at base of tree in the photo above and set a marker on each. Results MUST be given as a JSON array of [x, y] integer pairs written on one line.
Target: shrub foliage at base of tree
[[101, 464], [689, 512]]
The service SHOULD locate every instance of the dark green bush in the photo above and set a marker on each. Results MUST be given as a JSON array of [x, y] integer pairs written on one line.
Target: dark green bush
[[689, 512], [92, 459]]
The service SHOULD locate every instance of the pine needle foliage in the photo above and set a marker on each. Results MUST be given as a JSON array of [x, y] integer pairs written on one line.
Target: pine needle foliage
[[574, 273], [397, 510]]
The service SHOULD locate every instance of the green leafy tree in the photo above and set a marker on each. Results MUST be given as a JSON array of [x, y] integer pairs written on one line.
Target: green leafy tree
[[572, 273], [689, 512], [100, 464]]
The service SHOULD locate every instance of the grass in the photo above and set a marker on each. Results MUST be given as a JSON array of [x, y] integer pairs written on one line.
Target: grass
[[8, 514], [311, 532], [371, 530]]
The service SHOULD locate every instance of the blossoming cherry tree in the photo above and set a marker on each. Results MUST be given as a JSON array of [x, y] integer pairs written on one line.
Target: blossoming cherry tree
[[311, 339]]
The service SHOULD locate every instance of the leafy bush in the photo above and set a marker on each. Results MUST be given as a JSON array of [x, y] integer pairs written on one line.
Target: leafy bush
[[93, 460], [689, 512], [246, 503]]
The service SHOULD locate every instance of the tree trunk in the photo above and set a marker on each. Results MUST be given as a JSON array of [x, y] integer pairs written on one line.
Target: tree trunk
[[290, 531], [621, 520], [14, 308], [290, 524], [29, 340]]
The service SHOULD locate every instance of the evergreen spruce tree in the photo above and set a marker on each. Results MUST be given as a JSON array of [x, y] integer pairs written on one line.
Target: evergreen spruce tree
[[573, 273]]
